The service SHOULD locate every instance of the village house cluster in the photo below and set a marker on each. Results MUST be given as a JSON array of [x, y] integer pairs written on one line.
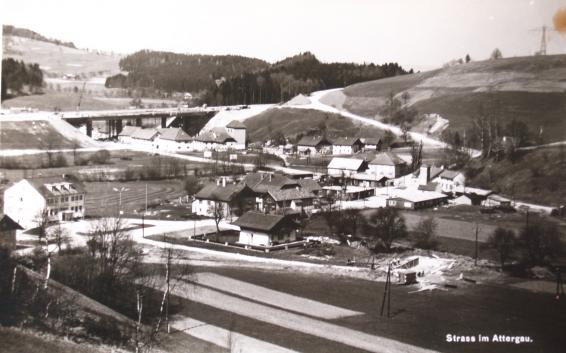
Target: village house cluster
[[172, 139]]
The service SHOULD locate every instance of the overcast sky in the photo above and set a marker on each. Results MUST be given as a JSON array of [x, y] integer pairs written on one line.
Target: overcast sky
[[416, 33]]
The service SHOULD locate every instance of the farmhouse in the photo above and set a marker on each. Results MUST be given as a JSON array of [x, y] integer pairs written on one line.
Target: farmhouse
[[237, 130], [216, 139], [371, 144], [173, 140], [27, 199], [309, 145], [231, 200], [386, 164], [345, 167], [289, 199], [416, 199], [125, 136], [259, 229], [450, 180], [8, 228], [346, 145], [144, 136]]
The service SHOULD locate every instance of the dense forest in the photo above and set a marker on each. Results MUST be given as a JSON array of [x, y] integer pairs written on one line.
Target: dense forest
[[18, 77], [229, 80], [8, 30], [171, 72]]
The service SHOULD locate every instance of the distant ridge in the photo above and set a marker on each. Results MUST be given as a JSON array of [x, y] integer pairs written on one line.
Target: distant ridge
[[9, 30]]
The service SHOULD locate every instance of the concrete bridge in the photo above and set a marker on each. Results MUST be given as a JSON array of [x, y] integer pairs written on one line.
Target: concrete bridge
[[116, 119]]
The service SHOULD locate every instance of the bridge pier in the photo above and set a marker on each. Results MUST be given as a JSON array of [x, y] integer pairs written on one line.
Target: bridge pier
[[119, 127], [89, 128], [164, 122], [138, 122]]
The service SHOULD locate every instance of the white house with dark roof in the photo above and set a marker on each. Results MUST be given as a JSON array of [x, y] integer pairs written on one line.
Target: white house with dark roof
[[386, 164], [345, 167], [237, 130], [346, 145], [173, 140], [216, 139], [232, 199], [371, 144], [260, 229], [60, 198], [310, 145], [451, 180], [144, 136], [125, 136], [289, 199]]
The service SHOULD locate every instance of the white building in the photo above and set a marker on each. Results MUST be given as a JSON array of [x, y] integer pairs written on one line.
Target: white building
[[173, 140], [345, 167], [61, 199], [216, 139], [386, 164], [125, 136], [346, 145], [260, 229], [237, 130], [451, 180]]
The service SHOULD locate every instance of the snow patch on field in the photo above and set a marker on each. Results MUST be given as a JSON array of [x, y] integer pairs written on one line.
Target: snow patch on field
[[225, 116]]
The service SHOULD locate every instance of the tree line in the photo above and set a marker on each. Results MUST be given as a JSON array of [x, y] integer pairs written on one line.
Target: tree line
[[18, 76], [230, 79]]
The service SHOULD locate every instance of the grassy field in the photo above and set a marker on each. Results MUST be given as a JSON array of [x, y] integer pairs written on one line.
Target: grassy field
[[528, 89], [102, 200], [422, 319], [65, 101], [291, 122], [59, 59]]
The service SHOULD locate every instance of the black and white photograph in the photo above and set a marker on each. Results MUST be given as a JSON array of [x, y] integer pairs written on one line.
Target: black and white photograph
[[259, 176]]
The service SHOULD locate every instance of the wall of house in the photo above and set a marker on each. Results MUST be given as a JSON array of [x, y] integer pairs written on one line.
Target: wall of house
[[172, 146], [239, 135], [251, 237], [72, 204], [306, 150], [388, 171], [23, 203], [341, 149], [204, 208], [8, 239]]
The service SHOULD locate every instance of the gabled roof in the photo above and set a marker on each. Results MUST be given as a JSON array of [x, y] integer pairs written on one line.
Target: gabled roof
[[216, 135], [291, 194], [345, 141], [417, 195], [387, 158], [259, 221], [372, 141], [346, 163], [55, 186], [309, 184], [312, 141], [144, 134], [174, 134], [449, 174], [7, 223], [263, 183], [220, 193], [235, 124], [129, 130]]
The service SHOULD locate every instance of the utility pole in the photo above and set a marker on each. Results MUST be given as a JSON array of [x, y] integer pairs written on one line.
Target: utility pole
[[387, 293], [476, 256], [559, 284]]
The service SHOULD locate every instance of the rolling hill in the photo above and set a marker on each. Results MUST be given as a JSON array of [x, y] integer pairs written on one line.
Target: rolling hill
[[528, 89], [292, 123]]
